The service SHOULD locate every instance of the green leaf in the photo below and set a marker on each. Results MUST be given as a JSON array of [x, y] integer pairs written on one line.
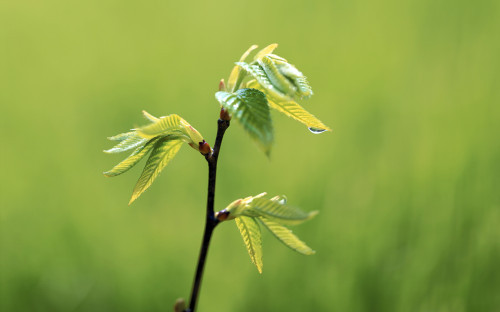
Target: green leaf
[[163, 126], [261, 78], [279, 81], [267, 50], [131, 160], [236, 76], [122, 136], [130, 142], [164, 150], [294, 110], [293, 74], [250, 231], [297, 112], [250, 108], [303, 88], [286, 236], [282, 213]]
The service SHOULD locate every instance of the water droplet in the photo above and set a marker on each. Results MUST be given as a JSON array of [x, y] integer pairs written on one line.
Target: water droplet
[[316, 130]]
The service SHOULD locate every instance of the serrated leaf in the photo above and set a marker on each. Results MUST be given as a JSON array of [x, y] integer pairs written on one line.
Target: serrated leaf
[[267, 50], [236, 76], [263, 81], [303, 88], [163, 151], [131, 160], [297, 112], [122, 136], [132, 141], [163, 126], [250, 108], [288, 70], [286, 236], [250, 231], [294, 110], [277, 79], [273, 209]]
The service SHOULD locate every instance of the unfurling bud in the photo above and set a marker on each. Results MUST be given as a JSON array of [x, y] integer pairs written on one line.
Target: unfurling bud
[[204, 148], [224, 115], [222, 85]]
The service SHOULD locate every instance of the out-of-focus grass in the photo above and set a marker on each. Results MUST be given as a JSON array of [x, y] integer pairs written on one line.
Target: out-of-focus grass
[[407, 183]]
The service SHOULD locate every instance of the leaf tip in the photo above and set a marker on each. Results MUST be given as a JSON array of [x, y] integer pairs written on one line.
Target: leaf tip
[[132, 199], [313, 214]]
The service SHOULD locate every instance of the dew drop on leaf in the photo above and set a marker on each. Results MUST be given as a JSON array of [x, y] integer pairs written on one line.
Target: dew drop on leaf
[[316, 130]]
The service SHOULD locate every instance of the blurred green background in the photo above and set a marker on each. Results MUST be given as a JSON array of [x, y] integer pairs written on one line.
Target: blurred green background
[[407, 183]]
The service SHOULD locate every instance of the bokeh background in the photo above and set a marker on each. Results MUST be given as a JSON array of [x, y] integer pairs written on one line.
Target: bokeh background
[[407, 183]]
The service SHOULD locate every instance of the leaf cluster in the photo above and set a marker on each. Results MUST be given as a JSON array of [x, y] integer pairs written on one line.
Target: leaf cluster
[[161, 139], [267, 82], [274, 213]]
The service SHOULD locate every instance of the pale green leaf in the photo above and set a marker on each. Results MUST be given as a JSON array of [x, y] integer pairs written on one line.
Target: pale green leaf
[[131, 160], [131, 142], [297, 112], [267, 50], [274, 209], [286, 236], [293, 74], [236, 76], [122, 136], [250, 108], [250, 231], [164, 150], [292, 109], [277, 79], [191, 132], [163, 126], [303, 88], [263, 81]]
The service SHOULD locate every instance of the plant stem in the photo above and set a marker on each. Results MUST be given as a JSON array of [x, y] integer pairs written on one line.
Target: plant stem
[[210, 221]]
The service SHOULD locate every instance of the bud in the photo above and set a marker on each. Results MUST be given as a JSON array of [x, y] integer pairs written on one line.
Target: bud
[[204, 148], [224, 115], [180, 305], [222, 85], [222, 215]]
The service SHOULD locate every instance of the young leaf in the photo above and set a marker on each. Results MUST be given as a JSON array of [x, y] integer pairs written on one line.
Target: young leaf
[[250, 231], [267, 50], [292, 109], [250, 108], [263, 81], [132, 141], [297, 112], [277, 79], [236, 76], [122, 136], [286, 236], [293, 74], [164, 150], [273, 209], [163, 126], [131, 160]]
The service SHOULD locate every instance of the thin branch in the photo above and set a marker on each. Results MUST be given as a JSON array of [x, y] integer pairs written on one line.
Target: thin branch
[[210, 221]]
